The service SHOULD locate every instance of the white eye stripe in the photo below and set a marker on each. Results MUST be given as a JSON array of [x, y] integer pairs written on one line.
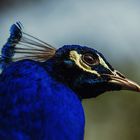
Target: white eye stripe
[[103, 63]]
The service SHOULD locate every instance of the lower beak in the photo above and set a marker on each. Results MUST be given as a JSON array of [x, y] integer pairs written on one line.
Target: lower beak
[[124, 83]]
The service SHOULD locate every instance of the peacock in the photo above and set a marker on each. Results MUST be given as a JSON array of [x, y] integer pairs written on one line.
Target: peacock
[[41, 87]]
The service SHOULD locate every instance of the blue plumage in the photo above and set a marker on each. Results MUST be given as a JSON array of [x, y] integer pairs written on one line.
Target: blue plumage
[[37, 107], [7, 51], [41, 91]]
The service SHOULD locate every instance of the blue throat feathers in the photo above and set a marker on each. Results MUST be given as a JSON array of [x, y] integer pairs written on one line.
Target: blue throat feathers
[[39, 106]]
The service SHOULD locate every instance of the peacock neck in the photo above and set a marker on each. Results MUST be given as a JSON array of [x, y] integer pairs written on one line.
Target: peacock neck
[[44, 108], [66, 116]]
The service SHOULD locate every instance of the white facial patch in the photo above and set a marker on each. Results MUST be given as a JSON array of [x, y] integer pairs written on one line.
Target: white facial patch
[[103, 63], [78, 61]]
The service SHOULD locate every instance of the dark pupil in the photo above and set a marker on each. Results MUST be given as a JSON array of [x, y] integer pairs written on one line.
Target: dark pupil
[[89, 59]]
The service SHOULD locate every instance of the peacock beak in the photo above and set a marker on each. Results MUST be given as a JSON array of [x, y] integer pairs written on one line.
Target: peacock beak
[[118, 79]]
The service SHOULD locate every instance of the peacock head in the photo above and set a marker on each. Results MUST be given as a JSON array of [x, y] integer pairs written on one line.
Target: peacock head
[[83, 69], [87, 72]]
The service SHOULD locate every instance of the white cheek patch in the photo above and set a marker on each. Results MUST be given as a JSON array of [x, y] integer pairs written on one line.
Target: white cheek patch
[[78, 61]]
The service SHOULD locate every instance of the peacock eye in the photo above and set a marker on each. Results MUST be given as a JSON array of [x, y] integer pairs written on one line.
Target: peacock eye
[[90, 59]]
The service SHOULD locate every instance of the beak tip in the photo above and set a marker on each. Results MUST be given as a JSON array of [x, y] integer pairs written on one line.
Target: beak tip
[[125, 83], [138, 89], [133, 87]]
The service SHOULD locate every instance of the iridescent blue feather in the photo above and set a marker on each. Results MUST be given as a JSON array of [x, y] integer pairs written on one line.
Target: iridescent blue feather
[[7, 51]]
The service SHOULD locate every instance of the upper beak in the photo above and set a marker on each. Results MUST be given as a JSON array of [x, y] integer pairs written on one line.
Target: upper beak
[[118, 79]]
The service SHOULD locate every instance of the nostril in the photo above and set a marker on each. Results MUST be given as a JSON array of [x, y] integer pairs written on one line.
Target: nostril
[[119, 74]]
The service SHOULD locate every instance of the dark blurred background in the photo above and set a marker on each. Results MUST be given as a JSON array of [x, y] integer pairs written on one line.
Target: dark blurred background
[[112, 27]]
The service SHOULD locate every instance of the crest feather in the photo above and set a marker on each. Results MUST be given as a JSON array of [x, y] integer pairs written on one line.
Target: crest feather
[[21, 45]]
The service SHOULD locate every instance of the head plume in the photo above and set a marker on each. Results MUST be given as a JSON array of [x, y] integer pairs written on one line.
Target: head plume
[[21, 45]]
